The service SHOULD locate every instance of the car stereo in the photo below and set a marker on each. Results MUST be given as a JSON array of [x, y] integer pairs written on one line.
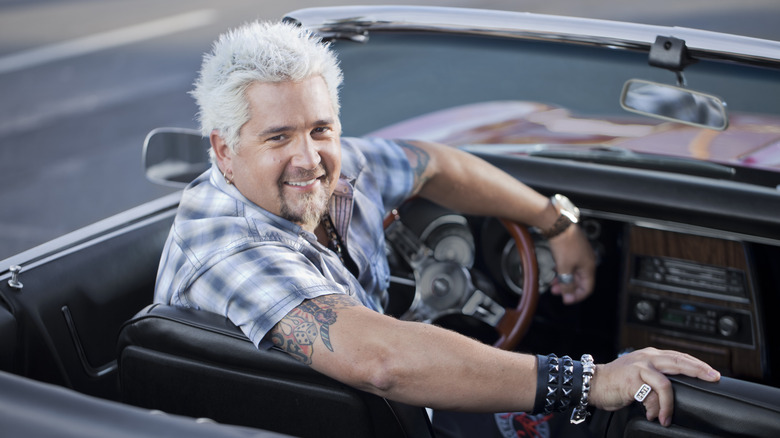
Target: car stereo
[[699, 321], [692, 293]]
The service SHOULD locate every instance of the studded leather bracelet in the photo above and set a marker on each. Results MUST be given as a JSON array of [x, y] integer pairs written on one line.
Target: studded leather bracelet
[[558, 383]]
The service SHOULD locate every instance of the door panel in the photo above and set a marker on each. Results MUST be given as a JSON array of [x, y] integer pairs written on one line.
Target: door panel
[[7, 339], [78, 290]]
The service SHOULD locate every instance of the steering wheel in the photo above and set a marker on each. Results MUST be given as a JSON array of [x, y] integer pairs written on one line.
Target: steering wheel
[[445, 287]]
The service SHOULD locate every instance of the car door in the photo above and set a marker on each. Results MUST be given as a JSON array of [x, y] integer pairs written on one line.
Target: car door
[[63, 302]]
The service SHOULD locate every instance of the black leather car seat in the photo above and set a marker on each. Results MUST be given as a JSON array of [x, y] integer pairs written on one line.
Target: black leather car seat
[[196, 363]]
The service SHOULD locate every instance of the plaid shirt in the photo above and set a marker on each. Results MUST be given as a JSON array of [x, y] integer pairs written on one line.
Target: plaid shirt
[[227, 255]]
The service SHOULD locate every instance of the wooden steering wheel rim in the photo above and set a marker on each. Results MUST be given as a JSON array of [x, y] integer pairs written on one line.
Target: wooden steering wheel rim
[[516, 322]]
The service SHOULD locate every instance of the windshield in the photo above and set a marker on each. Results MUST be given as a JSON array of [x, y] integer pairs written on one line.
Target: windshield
[[469, 89]]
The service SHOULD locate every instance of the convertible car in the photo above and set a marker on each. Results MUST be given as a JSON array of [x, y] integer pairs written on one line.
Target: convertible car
[[668, 140]]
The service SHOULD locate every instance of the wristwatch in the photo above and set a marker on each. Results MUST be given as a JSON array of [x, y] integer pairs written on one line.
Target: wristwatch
[[568, 214]]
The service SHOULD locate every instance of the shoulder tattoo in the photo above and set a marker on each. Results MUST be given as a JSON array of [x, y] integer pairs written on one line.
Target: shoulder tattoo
[[297, 332], [418, 159]]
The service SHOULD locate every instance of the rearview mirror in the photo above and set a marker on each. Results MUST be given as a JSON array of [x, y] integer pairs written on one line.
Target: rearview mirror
[[175, 156], [676, 104]]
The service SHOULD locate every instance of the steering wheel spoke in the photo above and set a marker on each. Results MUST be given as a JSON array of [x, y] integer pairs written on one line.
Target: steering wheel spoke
[[484, 308], [407, 244]]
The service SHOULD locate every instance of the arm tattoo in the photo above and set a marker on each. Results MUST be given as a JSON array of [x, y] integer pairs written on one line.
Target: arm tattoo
[[297, 331], [418, 159]]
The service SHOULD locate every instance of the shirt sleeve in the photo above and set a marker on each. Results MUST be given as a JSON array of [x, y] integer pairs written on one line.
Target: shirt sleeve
[[383, 167], [257, 287]]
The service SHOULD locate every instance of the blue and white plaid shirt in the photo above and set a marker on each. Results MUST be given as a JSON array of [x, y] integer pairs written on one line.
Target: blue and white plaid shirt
[[227, 255]]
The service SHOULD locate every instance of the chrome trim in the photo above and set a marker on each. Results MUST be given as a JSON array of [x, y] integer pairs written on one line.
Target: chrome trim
[[94, 372], [447, 219], [356, 22], [128, 220], [145, 152], [683, 292], [402, 281], [481, 306], [663, 225]]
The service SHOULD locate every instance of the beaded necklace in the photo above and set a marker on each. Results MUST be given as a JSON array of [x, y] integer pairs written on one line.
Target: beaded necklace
[[334, 243]]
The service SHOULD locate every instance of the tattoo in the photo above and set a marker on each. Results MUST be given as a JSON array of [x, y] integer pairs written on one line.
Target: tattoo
[[325, 317], [297, 332], [418, 159]]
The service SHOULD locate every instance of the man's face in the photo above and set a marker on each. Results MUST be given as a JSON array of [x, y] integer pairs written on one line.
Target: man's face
[[289, 155]]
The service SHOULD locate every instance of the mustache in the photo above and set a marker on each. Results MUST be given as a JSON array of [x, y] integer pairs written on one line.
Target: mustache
[[305, 174]]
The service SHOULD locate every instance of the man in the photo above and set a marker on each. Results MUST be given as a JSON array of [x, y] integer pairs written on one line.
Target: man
[[284, 237]]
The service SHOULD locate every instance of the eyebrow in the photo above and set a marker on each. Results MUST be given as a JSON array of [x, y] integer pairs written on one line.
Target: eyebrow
[[274, 130], [286, 128]]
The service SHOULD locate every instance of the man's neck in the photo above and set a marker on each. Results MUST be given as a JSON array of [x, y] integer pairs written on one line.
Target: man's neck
[[322, 235]]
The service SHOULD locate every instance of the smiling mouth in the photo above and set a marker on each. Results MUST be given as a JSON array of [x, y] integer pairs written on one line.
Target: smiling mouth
[[301, 183], [304, 179], [306, 183]]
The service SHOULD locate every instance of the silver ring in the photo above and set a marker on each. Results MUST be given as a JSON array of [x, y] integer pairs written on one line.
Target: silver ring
[[642, 392], [565, 278]]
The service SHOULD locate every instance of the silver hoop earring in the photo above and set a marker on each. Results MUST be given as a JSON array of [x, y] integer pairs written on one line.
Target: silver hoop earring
[[227, 180]]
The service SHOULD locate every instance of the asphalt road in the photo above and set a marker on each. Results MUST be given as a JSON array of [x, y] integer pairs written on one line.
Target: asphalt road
[[83, 81]]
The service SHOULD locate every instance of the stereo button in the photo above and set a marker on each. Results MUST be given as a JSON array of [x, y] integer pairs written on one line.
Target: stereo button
[[644, 311], [728, 326]]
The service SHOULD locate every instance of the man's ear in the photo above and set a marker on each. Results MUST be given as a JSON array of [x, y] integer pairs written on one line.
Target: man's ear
[[221, 150]]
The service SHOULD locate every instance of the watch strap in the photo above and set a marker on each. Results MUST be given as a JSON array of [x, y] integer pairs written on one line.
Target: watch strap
[[560, 225]]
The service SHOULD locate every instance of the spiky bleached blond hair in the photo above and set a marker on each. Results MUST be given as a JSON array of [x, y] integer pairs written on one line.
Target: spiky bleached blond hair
[[259, 51]]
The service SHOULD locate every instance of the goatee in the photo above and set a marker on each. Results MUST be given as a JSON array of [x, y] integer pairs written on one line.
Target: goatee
[[306, 210]]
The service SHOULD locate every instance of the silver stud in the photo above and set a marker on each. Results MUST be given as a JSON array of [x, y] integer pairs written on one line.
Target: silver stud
[[14, 281]]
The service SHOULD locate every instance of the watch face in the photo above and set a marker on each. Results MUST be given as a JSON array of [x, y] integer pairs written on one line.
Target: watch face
[[567, 208]]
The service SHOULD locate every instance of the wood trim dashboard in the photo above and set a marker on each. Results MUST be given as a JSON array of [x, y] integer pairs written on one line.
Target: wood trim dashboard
[[694, 294]]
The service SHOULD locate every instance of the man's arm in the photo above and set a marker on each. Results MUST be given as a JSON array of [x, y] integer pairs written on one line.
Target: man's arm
[[415, 363], [425, 365], [465, 183]]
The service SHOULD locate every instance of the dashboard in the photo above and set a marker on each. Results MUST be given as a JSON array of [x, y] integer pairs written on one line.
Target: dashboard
[[659, 284]]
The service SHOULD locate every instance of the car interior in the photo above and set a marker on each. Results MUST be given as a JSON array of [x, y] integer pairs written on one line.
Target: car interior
[[686, 261]]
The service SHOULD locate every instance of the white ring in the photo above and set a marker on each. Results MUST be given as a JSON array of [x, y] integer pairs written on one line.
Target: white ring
[[642, 392], [565, 278]]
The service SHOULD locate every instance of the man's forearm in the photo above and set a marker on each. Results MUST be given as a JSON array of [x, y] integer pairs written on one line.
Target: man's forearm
[[468, 184], [425, 365], [445, 370]]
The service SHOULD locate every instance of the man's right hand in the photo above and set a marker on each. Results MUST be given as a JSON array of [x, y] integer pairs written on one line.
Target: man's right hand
[[615, 384]]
